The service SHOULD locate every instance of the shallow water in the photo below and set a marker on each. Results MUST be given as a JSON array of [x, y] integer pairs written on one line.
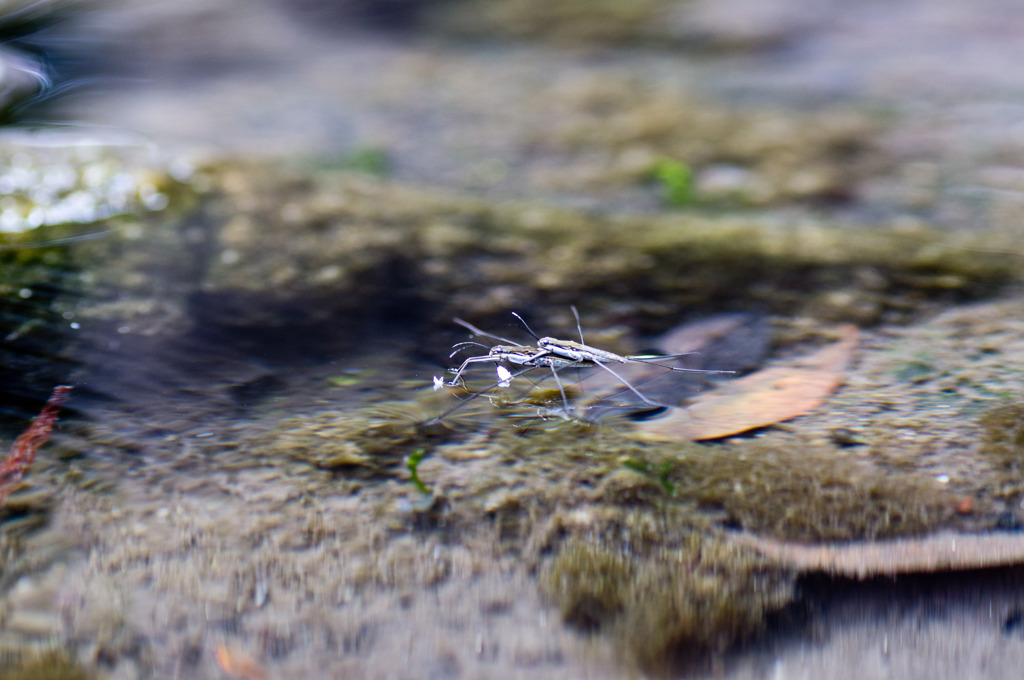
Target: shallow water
[[253, 327]]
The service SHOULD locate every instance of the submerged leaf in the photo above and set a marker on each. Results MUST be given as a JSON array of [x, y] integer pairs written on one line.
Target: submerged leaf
[[946, 551], [759, 399]]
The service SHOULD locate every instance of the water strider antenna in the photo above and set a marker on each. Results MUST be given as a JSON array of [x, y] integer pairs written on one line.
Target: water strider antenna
[[476, 331], [526, 326], [578, 326], [459, 346]]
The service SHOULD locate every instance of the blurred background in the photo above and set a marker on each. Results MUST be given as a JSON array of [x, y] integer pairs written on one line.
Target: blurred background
[[576, 100]]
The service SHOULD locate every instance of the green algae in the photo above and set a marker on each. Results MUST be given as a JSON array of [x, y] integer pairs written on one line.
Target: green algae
[[1003, 444], [779, 485], [599, 24], [1004, 432], [782, 486], [670, 602], [339, 246], [461, 257], [704, 596], [365, 442], [570, 22], [589, 584], [649, 570], [48, 665]]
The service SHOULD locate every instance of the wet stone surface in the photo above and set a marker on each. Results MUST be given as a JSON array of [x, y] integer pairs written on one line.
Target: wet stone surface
[[251, 479]]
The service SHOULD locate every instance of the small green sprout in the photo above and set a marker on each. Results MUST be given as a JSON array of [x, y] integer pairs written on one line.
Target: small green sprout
[[676, 180], [371, 160], [636, 466], [412, 461], [662, 472]]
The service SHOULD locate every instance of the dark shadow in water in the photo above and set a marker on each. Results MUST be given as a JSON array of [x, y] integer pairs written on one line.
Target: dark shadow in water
[[232, 351], [904, 620], [386, 15], [35, 342]]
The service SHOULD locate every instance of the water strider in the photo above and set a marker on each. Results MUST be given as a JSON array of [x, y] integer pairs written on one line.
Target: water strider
[[555, 354]]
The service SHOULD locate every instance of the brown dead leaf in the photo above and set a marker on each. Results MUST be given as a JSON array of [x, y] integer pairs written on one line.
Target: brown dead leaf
[[759, 399], [236, 664], [945, 551]]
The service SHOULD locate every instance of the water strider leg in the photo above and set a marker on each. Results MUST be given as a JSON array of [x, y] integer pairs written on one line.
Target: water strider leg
[[454, 382], [628, 385], [561, 390], [473, 397]]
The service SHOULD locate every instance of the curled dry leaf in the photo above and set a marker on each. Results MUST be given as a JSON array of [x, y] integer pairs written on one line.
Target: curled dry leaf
[[946, 551], [759, 399]]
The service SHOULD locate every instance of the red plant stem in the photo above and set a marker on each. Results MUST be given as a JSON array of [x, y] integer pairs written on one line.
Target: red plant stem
[[17, 462]]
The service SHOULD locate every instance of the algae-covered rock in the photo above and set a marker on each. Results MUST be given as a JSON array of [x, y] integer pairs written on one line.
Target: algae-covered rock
[[664, 24], [344, 241], [83, 215], [41, 665], [785, 487], [252, 245], [589, 584], [602, 22], [670, 601], [1002, 428]]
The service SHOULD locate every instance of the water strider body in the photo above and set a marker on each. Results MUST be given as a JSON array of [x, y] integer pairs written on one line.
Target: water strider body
[[555, 354], [514, 355]]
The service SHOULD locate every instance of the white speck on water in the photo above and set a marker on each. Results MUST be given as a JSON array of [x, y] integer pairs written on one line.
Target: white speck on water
[[181, 169], [156, 201]]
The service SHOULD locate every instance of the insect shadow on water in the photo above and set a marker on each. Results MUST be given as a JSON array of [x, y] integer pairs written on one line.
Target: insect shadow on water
[[556, 355]]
